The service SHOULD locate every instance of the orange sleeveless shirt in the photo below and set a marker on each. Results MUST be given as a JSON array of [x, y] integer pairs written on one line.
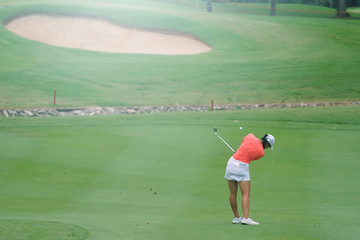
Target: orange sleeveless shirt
[[250, 149]]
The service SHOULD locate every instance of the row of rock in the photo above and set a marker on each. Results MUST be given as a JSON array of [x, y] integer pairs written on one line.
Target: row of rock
[[91, 111]]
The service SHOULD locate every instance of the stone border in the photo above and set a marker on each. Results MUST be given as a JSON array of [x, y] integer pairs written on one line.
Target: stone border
[[92, 111]]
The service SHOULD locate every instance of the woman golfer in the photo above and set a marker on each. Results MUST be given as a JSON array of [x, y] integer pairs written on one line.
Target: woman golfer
[[237, 173]]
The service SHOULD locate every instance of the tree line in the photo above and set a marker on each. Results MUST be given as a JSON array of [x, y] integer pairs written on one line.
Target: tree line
[[339, 5], [325, 3]]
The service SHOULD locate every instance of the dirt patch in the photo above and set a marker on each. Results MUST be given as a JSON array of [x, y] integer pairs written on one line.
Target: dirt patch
[[102, 35]]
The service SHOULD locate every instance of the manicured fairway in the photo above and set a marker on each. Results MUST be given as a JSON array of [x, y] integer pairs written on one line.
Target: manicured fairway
[[160, 176]]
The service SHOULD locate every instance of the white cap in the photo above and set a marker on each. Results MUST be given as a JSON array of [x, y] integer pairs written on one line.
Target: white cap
[[271, 140]]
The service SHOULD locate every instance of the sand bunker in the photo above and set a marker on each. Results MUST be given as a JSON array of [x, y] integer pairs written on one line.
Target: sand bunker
[[101, 35]]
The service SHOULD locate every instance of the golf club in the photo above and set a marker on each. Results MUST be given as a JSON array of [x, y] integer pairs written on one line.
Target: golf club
[[215, 131]]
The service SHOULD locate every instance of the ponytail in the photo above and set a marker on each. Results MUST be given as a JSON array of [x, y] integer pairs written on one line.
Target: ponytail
[[264, 140]]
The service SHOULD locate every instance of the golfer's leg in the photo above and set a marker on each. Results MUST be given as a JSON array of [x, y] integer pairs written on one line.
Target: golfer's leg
[[233, 202], [245, 191]]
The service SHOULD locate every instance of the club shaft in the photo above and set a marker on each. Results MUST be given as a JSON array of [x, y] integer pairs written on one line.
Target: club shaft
[[224, 142]]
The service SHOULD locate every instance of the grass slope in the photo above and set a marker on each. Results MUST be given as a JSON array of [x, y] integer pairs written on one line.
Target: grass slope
[[255, 58], [161, 176]]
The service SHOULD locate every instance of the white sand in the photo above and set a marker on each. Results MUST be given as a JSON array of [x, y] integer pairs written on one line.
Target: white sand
[[102, 35]]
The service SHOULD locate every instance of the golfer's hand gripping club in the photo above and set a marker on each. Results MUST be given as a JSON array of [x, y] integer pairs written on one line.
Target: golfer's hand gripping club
[[215, 131]]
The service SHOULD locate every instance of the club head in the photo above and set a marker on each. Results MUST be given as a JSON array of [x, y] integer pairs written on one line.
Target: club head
[[215, 130]]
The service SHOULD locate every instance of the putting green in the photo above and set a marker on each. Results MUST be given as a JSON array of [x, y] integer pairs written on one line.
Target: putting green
[[19, 229]]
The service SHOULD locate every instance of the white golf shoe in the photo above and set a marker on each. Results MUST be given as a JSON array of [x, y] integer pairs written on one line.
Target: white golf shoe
[[249, 221], [237, 220]]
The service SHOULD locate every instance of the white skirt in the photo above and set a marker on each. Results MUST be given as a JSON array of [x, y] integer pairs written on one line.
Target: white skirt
[[237, 171]]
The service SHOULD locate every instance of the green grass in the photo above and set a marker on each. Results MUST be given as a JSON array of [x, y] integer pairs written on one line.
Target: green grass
[[354, 10], [160, 176], [255, 59]]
